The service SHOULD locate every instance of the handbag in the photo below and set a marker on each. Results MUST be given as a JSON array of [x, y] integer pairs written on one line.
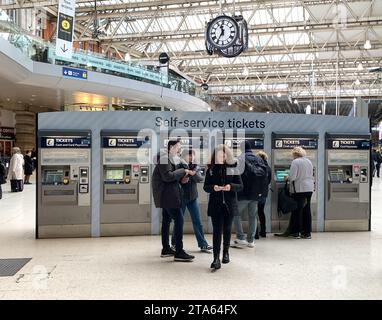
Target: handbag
[[285, 203]]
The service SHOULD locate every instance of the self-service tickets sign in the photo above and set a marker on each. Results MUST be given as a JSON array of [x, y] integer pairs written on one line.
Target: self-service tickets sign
[[65, 28]]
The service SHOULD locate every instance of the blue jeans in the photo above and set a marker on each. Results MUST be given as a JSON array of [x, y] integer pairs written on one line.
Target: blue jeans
[[193, 208], [167, 216], [252, 220]]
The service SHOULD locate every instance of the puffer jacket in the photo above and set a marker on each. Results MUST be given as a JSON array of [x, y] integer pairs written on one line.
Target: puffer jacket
[[167, 191]]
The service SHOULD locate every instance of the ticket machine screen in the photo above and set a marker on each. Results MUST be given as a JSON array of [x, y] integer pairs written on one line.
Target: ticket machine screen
[[53, 176], [114, 174], [280, 174]]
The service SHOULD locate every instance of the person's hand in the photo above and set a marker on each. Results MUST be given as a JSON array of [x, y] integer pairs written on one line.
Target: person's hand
[[286, 178], [192, 172], [217, 188], [184, 180], [187, 171], [227, 187]]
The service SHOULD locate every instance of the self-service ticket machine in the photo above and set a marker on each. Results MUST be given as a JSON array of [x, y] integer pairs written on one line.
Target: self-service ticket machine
[[126, 184], [347, 200], [256, 141], [200, 144], [282, 145], [63, 186]]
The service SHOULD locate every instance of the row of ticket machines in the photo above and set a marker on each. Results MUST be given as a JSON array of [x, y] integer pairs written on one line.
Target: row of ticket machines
[[65, 197]]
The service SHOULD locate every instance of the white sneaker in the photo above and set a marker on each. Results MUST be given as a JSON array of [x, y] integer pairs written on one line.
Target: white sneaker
[[240, 243], [251, 244]]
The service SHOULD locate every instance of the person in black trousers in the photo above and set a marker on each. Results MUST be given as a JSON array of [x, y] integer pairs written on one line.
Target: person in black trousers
[[377, 158], [28, 166], [3, 179], [222, 182], [263, 199], [167, 194]]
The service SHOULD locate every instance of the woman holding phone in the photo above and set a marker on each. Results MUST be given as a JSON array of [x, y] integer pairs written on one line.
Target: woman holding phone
[[222, 181]]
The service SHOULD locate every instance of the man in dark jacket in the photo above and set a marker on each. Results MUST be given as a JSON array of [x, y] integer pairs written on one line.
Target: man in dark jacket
[[167, 194], [255, 185], [3, 179]]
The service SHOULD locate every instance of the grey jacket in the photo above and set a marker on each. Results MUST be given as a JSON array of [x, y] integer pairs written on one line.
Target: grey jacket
[[190, 189], [301, 175], [167, 191]]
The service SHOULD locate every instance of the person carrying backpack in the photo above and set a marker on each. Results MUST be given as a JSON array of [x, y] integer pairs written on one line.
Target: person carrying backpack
[[255, 182]]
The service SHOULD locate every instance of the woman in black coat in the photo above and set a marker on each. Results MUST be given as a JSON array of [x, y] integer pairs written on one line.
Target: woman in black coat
[[223, 182], [28, 166]]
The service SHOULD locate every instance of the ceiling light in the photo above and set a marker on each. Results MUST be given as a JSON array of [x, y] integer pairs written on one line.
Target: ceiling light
[[209, 109], [33, 95], [354, 99], [246, 71], [127, 57], [308, 109], [268, 111], [229, 103], [89, 64], [278, 95], [357, 82], [295, 101], [8, 99], [360, 66], [367, 45], [170, 109], [319, 111], [250, 108]]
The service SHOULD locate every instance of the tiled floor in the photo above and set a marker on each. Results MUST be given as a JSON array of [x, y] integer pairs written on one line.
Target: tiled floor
[[330, 266]]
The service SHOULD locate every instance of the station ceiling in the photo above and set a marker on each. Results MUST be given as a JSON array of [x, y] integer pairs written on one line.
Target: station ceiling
[[298, 49]]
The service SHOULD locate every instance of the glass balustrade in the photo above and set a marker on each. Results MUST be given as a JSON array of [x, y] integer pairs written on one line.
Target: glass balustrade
[[43, 51]]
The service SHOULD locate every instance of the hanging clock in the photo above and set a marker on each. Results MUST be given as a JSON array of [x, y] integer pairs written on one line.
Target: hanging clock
[[241, 44], [222, 32]]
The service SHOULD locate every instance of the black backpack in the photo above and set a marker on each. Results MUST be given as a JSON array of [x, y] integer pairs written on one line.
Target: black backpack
[[255, 178]]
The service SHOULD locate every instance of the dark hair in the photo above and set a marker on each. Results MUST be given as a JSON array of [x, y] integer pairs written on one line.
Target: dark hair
[[26, 152], [172, 143]]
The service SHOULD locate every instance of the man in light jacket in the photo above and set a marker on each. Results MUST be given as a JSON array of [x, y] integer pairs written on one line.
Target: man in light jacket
[[301, 184]]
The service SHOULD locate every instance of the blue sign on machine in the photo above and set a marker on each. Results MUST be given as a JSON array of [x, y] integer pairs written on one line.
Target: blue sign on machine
[[74, 73]]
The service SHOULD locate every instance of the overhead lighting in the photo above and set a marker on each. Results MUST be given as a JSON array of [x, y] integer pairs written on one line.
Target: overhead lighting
[[308, 109], [209, 109], [33, 95], [367, 45], [89, 64], [250, 108], [295, 101], [357, 82], [354, 99], [229, 103], [278, 95], [268, 111], [360, 66], [8, 99], [170, 109], [319, 111], [127, 57], [246, 71]]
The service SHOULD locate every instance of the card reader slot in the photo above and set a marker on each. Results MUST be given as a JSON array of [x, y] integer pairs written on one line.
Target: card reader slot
[[58, 192]]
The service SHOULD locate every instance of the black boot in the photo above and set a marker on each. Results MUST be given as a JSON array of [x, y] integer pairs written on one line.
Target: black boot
[[225, 256], [216, 263]]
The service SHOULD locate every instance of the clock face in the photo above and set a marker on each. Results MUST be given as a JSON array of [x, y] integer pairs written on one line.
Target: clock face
[[222, 32]]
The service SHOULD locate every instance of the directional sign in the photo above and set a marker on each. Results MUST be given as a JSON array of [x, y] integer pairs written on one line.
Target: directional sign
[[65, 27], [74, 73]]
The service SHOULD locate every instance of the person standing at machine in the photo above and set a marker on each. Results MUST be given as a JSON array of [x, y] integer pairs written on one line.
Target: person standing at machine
[[263, 198], [301, 186], [190, 198], [28, 166], [254, 180], [377, 158], [222, 182], [16, 171], [3, 180], [167, 194]]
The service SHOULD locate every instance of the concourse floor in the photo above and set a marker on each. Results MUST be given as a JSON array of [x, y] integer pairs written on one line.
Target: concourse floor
[[329, 266]]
